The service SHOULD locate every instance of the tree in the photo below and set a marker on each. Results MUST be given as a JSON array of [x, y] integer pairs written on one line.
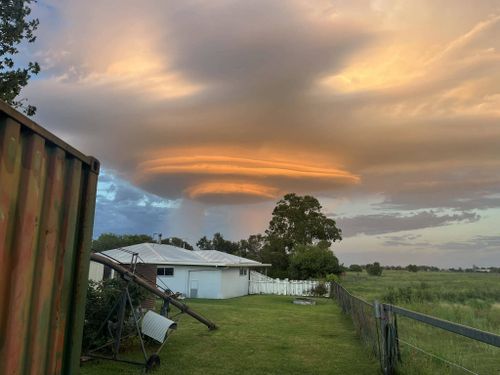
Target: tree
[[313, 262], [412, 268], [355, 268], [178, 242], [298, 220], [274, 252], [16, 27], [252, 247], [108, 241], [374, 269], [204, 243], [218, 243]]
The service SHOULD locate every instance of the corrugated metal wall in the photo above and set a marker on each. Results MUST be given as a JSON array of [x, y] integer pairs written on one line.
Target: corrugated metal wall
[[47, 201]]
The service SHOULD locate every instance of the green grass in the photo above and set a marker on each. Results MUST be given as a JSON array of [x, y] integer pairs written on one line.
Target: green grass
[[258, 335], [472, 299]]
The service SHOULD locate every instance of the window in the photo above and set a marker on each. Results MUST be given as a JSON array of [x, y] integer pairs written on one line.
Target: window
[[165, 271], [243, 271]]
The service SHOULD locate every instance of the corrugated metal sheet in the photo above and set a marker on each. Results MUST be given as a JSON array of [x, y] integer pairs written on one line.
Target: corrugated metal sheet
[[47, 201], [156, 326]]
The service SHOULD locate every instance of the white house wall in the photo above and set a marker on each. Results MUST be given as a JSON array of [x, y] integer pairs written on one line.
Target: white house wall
[[234, 285], [213, 283], [207, 283], [208, 278]]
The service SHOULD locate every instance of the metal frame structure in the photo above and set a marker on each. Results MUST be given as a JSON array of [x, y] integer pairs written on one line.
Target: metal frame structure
[[150, 361]]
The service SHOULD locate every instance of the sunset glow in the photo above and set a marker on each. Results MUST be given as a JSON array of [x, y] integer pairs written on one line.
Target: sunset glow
[[204, 113], [226, 165], [222, 188]]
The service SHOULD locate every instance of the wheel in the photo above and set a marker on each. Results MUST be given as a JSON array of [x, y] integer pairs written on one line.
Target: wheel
[[153, 362]]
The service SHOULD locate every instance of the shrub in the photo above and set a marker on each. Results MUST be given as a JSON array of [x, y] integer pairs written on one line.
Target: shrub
[[319, 290], [374, 269], [101, 298], [355, 268], [332, 277]]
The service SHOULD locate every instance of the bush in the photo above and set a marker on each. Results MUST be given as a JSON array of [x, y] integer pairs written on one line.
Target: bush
[[355, 268], [101, 298], [374, 269], [319, 290], [332, 277]]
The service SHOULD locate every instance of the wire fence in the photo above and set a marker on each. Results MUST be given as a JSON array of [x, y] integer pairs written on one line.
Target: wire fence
[[377, 326], [362, 315]]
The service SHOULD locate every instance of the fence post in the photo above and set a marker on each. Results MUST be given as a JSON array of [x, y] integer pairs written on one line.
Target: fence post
[[388, 347]]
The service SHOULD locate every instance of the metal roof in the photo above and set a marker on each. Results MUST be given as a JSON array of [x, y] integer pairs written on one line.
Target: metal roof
[[153, 253]]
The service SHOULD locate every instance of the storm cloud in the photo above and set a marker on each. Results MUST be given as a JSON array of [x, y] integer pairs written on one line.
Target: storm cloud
[[223, 106]]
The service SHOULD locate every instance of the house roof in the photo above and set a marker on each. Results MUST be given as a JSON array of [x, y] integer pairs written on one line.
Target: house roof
[[153, 253]]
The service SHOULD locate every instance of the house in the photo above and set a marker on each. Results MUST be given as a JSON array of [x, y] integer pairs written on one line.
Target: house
[[194, 273]]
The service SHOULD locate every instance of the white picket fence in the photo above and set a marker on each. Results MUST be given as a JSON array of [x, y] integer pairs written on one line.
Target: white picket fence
[[262, 284]]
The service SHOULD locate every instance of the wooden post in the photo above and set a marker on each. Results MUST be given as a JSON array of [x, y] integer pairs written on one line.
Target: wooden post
[[389, 346]]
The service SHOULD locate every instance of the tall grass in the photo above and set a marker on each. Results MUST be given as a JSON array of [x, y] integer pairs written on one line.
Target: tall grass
[[466, 298]]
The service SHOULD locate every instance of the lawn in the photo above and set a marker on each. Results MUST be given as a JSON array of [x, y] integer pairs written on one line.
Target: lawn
[[258, 335], [472, 299]]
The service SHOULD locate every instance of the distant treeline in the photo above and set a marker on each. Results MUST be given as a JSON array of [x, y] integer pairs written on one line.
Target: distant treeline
[[425, 268]]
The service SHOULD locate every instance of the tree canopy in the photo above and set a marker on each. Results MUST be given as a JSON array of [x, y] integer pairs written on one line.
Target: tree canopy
[[313, 262], [15, 28], [218, 242], [108, 241], [298, 220]]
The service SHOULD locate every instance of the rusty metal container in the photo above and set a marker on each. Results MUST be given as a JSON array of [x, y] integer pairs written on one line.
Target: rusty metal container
[[47, 201]]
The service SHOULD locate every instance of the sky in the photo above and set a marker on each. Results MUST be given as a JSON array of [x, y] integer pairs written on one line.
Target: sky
[[204, 113]]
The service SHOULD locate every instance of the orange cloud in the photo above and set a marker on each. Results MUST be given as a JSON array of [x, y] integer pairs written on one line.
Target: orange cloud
[[231, 188], [206, 176], [227, 165]]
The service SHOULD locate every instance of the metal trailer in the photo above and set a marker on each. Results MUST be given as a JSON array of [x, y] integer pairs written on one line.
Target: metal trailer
[[47, 201]]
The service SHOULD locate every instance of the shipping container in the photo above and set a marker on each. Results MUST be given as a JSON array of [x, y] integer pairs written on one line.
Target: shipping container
[[47, 201]]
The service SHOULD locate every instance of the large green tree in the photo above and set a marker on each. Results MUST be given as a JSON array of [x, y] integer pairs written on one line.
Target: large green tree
[[298, 220], [16, 27]]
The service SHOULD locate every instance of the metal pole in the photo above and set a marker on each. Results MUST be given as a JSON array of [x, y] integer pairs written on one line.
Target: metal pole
[[136, 321], [121, 317]]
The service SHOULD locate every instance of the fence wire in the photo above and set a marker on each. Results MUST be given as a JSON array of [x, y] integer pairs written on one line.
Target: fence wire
[[362, 314], [377, 326]]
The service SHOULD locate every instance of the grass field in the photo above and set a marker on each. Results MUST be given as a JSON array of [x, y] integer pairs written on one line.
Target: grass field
[[472, 299], [258, 335]]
